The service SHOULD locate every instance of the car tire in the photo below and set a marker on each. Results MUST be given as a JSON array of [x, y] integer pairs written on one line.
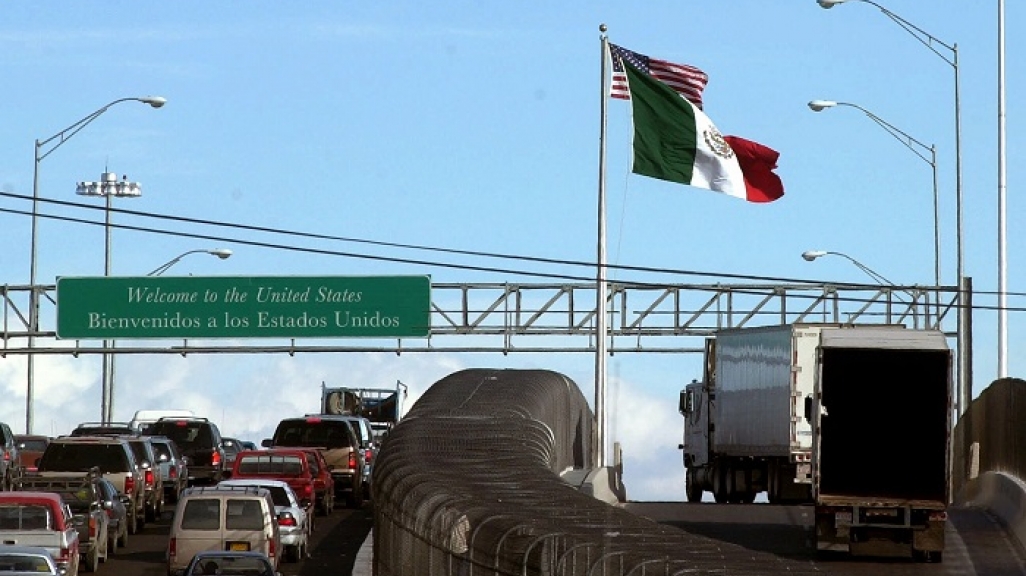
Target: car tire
[[106, 546], [355, 498], [92, 561]]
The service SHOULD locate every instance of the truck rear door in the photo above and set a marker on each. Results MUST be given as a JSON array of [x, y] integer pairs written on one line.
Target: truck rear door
[[882, 416]]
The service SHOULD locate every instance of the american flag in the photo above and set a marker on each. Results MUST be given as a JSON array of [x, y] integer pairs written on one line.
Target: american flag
[[686, 80]]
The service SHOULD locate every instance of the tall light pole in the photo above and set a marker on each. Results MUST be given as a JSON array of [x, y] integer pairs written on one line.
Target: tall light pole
[[108, 187], [964, 392], [920, 150], [1002, 371], [810, 255], [41, 152]]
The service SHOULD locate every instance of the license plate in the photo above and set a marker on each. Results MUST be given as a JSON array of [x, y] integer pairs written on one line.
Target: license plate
[[238, 546], [842, 519]]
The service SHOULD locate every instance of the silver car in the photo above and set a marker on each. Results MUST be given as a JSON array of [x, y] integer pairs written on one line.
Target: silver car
[[294, 524], [174, 471]]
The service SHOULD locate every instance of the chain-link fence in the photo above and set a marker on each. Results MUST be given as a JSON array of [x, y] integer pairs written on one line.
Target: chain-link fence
[[468, 484]]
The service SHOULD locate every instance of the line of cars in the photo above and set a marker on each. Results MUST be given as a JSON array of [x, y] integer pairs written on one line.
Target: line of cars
[[83, 494], [118, 480]]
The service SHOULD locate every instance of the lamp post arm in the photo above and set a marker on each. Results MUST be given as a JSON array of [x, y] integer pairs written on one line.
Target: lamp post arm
[[66, 134], [924, 37], [166, 265], [220, 253], [872, 273], [916, 146]]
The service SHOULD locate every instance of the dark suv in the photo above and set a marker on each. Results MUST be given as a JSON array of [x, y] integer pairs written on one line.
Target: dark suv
[[199, 440], [10, 463]]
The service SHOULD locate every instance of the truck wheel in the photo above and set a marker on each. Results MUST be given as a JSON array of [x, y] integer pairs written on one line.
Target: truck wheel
[[692, 488]]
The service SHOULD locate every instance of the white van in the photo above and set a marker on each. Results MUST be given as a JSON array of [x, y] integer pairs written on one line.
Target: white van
[[144, 418], [233, 518]]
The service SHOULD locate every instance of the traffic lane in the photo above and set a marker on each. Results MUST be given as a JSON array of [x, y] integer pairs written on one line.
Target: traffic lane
[[336, 540], [976, 542]]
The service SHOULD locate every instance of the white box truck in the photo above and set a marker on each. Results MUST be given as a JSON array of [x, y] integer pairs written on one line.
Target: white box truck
[[852, 419]]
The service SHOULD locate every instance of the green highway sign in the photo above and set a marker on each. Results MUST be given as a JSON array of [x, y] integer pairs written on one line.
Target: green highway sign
[[102, 307]]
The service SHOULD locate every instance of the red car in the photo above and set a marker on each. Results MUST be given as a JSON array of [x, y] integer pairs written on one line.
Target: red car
[[324, 484], [288, 464], [42, 519]]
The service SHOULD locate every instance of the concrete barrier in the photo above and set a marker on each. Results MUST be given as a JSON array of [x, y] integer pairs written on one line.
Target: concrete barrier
[[1002, 494]]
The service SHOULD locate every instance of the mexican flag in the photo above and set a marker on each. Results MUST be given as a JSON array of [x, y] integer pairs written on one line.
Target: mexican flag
[[677, 142]]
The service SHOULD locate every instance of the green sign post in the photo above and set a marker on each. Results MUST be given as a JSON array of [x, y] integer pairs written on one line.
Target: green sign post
[[243, 307]]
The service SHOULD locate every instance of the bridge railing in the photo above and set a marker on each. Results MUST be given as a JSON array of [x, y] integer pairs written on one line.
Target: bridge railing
[[991, 435], [468, 483]]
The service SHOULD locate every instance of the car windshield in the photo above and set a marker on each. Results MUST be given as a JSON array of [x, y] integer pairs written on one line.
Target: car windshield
[[272, 465], [24, 563], [61, 457], [139, 449], [24, 517], [161, 449], [101, 430], [34, 444], [316, 433], [243, 515], [184, 433]]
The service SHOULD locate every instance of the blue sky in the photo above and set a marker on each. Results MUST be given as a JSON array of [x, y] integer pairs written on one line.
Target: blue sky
[[475, 126]]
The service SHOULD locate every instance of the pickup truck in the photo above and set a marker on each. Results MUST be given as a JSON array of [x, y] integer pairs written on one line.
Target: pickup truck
[[288, 464], [88, 505], [40, 519]]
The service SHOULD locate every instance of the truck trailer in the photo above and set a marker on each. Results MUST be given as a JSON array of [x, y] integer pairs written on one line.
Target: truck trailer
[[852, 419], [383, 407]]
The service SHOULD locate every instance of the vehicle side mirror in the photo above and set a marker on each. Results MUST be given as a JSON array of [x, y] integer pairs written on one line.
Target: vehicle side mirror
[[808, 408], [266, 443]]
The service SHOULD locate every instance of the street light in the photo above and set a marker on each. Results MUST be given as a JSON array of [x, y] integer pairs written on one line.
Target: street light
[[222, 253], [918, 149], [810, 255], [107, 409], [108, 187], [962, 358], [60, 138]]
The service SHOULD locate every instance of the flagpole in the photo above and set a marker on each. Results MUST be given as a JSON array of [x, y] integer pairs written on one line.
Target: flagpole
[[600, 284]]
